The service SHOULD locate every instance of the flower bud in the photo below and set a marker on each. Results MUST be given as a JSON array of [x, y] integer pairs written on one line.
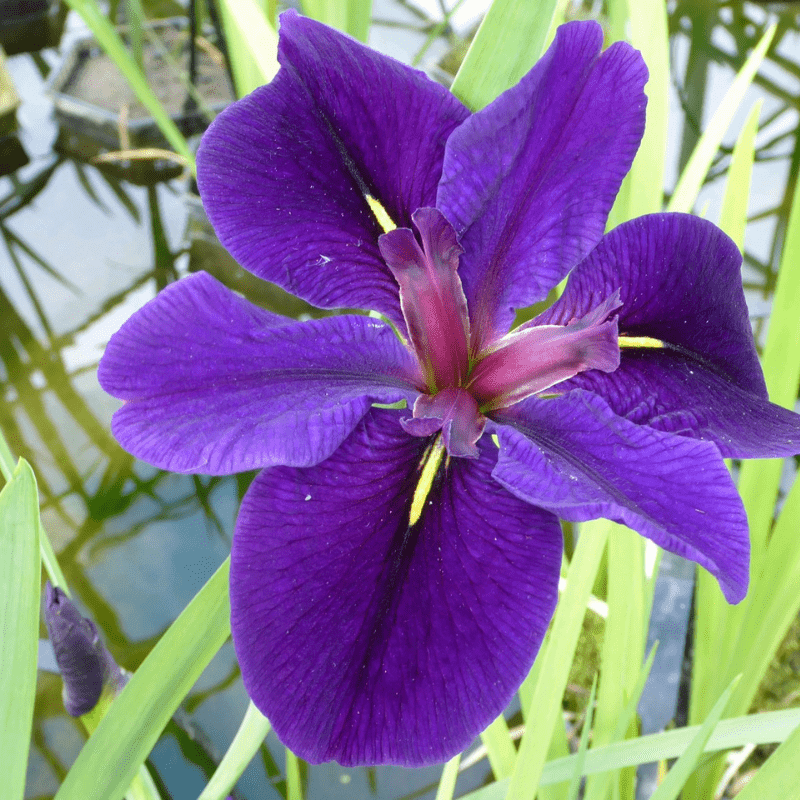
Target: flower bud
[[86, 665]]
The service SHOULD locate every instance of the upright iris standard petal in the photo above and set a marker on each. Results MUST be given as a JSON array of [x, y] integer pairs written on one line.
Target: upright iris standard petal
[[285, 173], [367, 642], [216, 385], [575, 457], [690, 365], [528, 181]]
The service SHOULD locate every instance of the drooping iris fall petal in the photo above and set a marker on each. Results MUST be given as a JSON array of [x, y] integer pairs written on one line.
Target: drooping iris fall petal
[[575, 457], [388, 644], [216, 385], [699, 375]]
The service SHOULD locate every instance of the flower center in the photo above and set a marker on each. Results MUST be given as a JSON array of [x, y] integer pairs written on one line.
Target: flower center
[[463, 386]]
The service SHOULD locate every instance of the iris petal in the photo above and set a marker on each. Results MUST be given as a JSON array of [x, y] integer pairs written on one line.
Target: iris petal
[[528, 181], [216, 385], [575, 457], [328, 585], [285, 172], [681, 286]]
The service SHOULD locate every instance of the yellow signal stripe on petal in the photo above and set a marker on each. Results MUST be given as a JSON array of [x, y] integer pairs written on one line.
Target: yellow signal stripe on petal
[[640, 341], [384, 220], [430, 463]]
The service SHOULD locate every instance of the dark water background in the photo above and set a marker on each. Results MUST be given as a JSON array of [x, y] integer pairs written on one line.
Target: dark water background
[[82, 250]]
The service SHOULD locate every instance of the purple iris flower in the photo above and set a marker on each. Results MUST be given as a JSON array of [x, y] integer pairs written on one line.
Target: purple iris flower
[[395, 569]]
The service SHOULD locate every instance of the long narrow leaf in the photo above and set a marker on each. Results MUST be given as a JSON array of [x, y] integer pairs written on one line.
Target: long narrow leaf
[[499, 747], [350, 16], [625, 636], [113, 45], [252, 44], [507, 44], [577, 773], [601, 783], [676, 778], [135, 720], [696, 170], [759, 480], [766, 728], [717, 624], [556, 659], [733, 216], [447, 783], [780, 776], [294, 785], [20, 570], [252, 732], [773, 606]]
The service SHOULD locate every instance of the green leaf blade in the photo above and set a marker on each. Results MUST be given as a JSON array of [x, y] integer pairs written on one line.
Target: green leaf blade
[[676, 778], [252, 732], [20, 575], [135, 720], [252, 44], [780, 776], [508, 43], [685, 194]]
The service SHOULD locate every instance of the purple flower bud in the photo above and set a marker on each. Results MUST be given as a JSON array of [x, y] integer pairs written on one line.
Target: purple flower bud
[[85, 663]]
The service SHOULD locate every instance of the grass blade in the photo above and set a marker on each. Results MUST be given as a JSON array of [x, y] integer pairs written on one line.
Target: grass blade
[[780, 776], [577, 772], [135, 720], [556, 660], [113, 45], [350, 16], [252, 44], [759, 480], [508, 43], [733, 216], [625, 636], [766, 728], [642, 191], [252, 732], [499, 748], [447, 783], [20, 574], [676, 778], [294, 783], [599, 787], [696, 170]]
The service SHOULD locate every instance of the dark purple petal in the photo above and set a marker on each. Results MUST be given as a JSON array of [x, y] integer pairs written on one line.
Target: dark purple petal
[[671, 392], [284, 172], [85, 664], [364, 641], [528, 181], [680, 283], [575, 457], [214, 384]]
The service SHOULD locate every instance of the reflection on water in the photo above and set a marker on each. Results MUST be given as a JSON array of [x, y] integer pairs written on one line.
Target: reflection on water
[[81, 250]]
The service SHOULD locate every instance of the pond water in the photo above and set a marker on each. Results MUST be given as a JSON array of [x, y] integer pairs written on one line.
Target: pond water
[[83, 249]]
